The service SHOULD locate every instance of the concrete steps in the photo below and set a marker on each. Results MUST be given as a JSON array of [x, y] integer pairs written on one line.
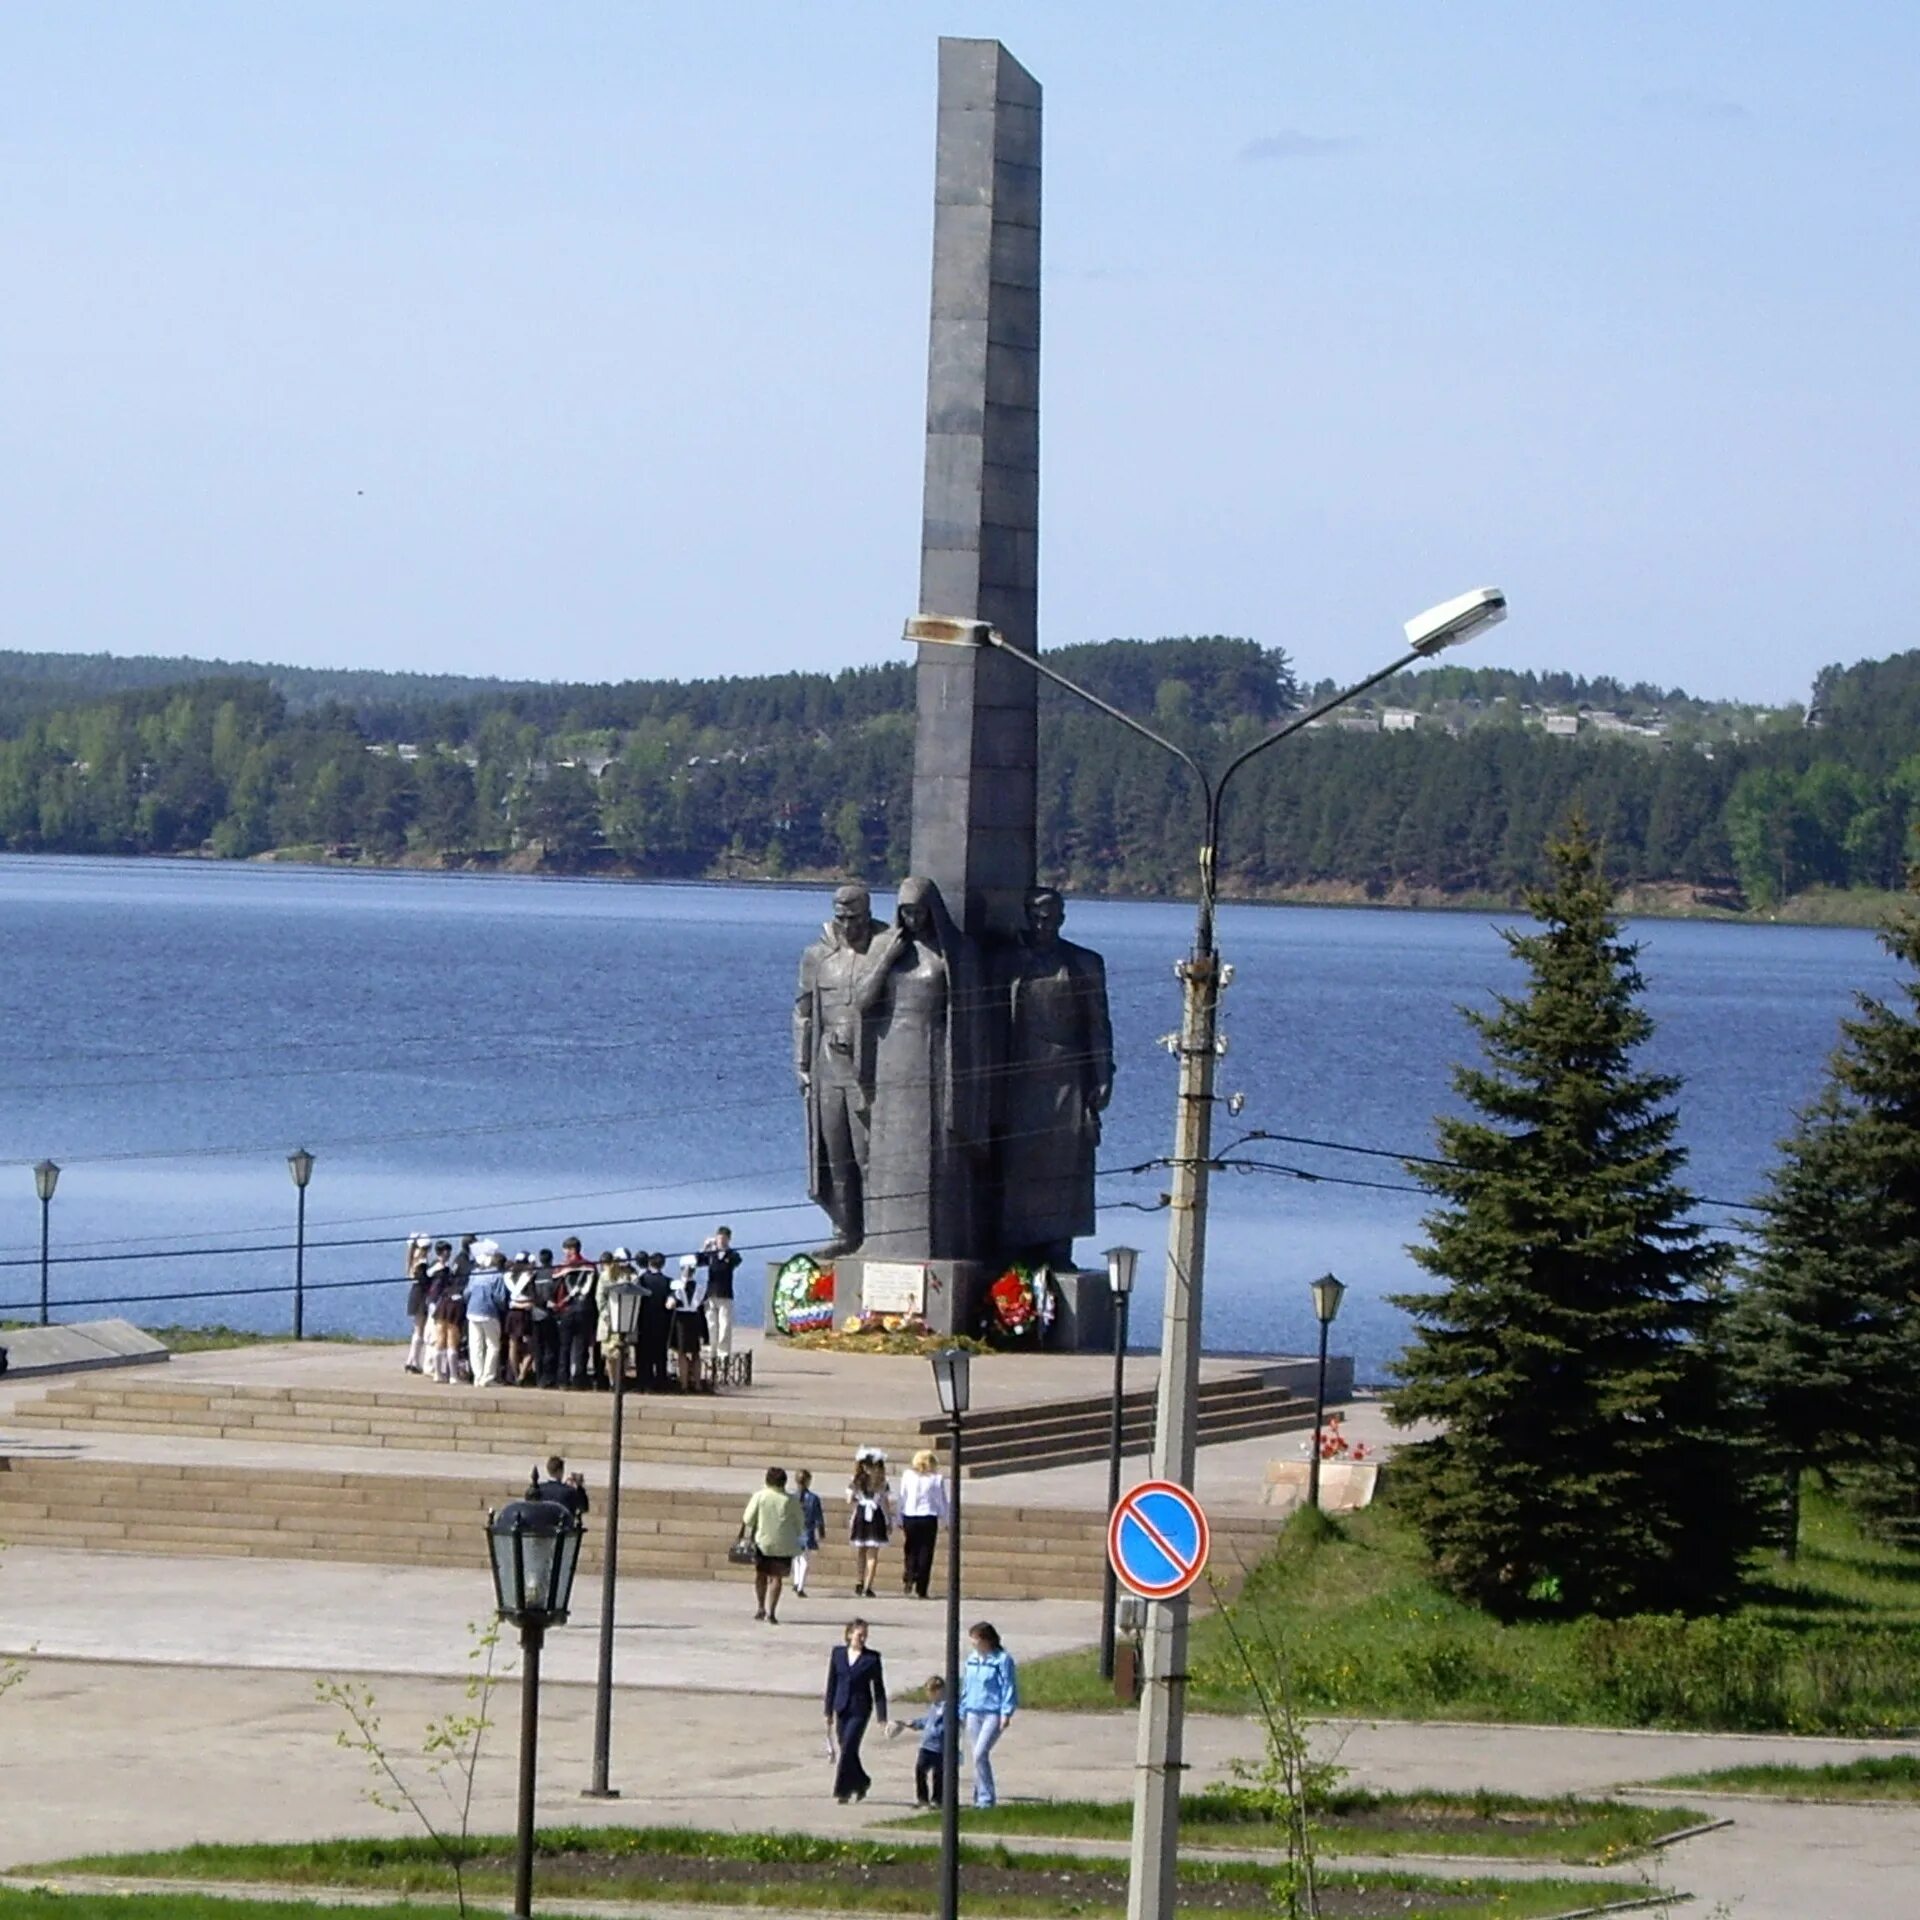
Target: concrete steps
[[724, 1431], [1013, 1552]]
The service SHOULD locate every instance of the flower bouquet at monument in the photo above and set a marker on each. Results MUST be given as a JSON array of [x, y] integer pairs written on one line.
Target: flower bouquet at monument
[[803, 1297], [1019, 1307]]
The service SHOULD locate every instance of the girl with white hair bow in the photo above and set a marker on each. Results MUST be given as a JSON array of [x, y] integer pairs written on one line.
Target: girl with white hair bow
[[688, 1333]]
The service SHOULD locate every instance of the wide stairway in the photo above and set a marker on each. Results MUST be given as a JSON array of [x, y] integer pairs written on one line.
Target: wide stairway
[[405, 1475], [718, 1431], [1012, 1552]]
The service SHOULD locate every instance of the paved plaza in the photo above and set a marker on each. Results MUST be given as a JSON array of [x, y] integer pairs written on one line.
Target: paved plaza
[[169, 1700]]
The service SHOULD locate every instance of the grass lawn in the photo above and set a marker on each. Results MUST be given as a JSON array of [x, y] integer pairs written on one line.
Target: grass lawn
[[1486, 1825], [1894, 1778], [217, 1339], [684, 1866], [1830, 1644]]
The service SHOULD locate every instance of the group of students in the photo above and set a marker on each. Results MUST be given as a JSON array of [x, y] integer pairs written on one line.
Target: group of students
[[483, 1318], [856, 1695]]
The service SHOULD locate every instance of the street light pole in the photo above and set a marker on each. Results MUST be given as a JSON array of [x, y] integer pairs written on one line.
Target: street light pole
[[1326, 1305], [951, 1367], [46, 1176], [1121, 1262], [1152, 1876], [625, 1300], [300, 1170], [533, 1547]]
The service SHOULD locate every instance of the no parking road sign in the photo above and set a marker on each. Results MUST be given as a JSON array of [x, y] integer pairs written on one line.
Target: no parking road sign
[[1158, 1540]]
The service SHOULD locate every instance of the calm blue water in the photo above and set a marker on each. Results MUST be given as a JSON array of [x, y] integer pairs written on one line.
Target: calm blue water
[[532, 1056]]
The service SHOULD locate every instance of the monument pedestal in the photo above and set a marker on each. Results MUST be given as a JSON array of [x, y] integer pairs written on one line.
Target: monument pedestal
[[950, 1296]]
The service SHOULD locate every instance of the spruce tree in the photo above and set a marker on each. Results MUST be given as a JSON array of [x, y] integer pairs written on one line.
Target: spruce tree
[[1826, 1330], [1583, 1463]]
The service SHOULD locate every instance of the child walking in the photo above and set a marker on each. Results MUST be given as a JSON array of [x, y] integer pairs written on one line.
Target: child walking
[[813, 1530], [929, 1764]]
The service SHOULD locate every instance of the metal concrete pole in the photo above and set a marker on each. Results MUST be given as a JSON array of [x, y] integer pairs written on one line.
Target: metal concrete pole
[[531, 1636], [1319, 1421], [950, 1713], [300, 1268], [1154, 1863], [603, 1690], [1110, 1593]]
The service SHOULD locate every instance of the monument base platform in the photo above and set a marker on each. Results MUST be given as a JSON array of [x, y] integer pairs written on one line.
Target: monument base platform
[[950, 1296]]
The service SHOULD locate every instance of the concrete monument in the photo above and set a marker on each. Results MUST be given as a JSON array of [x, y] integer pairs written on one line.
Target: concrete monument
[[956, 1065], [1055, 1081], [833, 1060], [975, 744], [924, 990]]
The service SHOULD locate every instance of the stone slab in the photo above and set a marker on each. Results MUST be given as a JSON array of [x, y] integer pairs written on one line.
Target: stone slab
[[78, 1347]]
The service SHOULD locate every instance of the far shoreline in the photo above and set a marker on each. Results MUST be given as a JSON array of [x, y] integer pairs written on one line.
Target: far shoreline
[[1861, 909]]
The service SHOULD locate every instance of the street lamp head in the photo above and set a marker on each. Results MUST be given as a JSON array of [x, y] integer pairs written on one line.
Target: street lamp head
[[534, 1547], [1121, 1262], [1455, 620], [626, 1298], [46, 1176], [300, 1166], [940, 630], [951, 1366], [1327, 1292]]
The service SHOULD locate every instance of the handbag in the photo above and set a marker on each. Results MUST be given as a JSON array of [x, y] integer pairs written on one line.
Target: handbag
[[741, 1553]]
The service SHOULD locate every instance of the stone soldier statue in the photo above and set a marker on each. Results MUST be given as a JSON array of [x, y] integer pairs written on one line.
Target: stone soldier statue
[[833, 1058], [1056, 1081]]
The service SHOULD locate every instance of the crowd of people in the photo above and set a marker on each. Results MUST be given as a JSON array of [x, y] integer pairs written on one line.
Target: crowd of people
[[784, 1525], [489, 1319]]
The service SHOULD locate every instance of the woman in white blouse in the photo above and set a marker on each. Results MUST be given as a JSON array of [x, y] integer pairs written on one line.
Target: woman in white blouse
[[923, 1505]]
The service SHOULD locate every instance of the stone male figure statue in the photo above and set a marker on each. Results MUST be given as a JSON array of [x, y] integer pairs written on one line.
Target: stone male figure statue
[[1057, 1080], [833, 1058]]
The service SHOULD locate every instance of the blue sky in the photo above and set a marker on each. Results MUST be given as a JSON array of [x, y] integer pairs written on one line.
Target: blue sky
[[589, 340]]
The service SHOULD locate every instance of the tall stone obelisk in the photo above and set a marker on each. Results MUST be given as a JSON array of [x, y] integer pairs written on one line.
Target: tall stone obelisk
[[976, 744]]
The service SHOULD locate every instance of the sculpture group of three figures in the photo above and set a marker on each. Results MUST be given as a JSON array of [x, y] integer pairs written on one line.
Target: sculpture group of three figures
[[953, 1087]]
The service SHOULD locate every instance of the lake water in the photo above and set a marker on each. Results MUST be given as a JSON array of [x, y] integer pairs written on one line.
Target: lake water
[[529, 1057]]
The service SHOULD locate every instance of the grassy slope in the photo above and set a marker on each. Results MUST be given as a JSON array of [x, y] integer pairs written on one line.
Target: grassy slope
[[1831, 1643]]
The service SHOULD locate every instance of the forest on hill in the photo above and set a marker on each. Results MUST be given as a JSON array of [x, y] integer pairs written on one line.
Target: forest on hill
[[1443, 783]]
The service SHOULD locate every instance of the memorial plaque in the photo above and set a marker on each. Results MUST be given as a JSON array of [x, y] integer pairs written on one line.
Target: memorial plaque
[[893, 1286]]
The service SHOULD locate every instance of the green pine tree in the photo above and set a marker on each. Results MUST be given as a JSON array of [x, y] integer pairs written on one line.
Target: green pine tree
[[1583, 1463], [1826, 1330]]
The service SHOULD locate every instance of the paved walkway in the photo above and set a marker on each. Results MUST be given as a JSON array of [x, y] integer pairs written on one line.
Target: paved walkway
[[258, 1760], [337, 1617]]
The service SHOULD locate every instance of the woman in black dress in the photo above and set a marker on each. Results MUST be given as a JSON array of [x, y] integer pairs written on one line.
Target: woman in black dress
[[856, 1691]]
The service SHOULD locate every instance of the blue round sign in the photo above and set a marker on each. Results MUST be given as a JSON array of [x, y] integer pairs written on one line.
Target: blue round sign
[[1158, 1540]]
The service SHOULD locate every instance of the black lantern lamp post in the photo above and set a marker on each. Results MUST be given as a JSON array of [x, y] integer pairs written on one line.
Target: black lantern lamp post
[[1327, 1292], [300, 1168], [46, 1176], [1121, 1262], [950, 1376], [534, 1547], [624, 1300]]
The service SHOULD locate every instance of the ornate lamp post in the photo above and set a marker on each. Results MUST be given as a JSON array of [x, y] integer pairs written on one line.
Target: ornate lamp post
[[1121, 1262], [625, 1300], [1327, 1292], [950, 1378], [300, 1169], [46, 1176], [533, 1547]]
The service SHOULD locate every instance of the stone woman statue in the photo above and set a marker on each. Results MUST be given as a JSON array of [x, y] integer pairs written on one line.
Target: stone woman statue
[[926, 996]]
